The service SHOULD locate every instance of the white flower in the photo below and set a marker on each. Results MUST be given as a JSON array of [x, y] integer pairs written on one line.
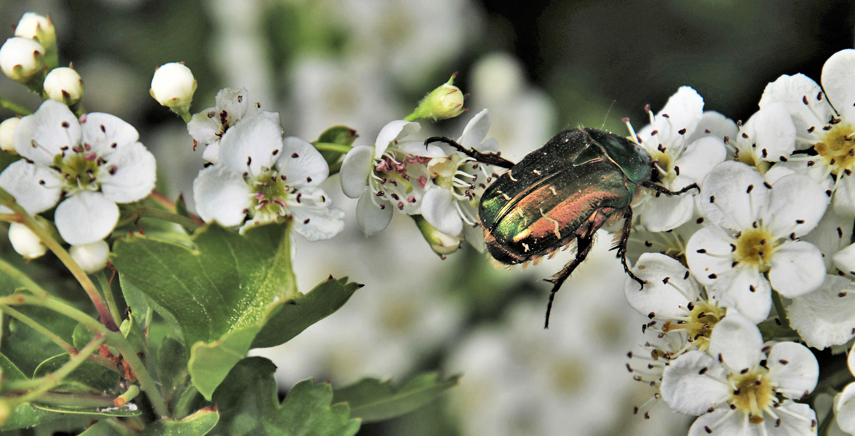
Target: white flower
[[64, 85], [824, 119], [21, 59], [681, 162], [208, 126], [671, 297], [7, 134], [736, 388], [391, 174], [263, 178], [753, 230], [91, 165], [844, 402], [451, 206], [25, 242], [173, 85], [91, 257], [768, 136]]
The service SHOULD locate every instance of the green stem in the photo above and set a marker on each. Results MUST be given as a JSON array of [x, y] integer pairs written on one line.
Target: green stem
[[75, 401], [128, 396], [9, 201], [23, 279], [16, 108], [779, 307], [33, 324], [329, 146], [413, 116], [52, 380], [825, 425], [147, 212], [334, 168], [108, 295], [182, 407], [144, 378]]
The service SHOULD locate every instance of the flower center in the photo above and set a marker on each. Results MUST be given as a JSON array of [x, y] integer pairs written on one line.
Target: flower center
[[80, 170], [837, 148], [752, 393], [702, 319], [755, 247], [394, 179], [268, 197], [669, 173]]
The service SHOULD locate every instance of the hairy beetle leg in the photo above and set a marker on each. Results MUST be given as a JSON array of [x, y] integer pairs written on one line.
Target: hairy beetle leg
[[666, 191], [487, 158], [622, 243], [583, 247]]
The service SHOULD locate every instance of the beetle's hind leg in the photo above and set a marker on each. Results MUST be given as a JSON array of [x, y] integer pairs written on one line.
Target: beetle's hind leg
[[666, 191], [622, 243], [583, 247], [488, 158]]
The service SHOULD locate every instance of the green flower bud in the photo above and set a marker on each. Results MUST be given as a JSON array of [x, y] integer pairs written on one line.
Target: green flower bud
[[39, 28], [23, 60], [64, 85], [442, 103], [441, 243], [7, 135]]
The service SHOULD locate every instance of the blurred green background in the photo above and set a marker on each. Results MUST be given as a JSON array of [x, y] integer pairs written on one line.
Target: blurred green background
[[540, 67]]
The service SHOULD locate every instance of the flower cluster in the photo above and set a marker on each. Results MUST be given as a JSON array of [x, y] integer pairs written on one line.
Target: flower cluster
[[766, 250]]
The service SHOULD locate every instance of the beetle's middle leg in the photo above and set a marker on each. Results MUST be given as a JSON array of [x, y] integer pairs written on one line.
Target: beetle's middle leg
[[583, 247], [622, 243], [666, 191], [487, 158]]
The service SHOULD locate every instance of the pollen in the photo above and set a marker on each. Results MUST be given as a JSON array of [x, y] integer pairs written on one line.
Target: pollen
[[752, 393], [755, 247], [837, 148]]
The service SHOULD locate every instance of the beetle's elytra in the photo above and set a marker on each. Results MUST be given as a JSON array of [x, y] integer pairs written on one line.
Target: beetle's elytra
[[562, 192]]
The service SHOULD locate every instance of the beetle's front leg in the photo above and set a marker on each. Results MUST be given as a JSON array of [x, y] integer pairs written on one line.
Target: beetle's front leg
[[622, 243], [583, 247], [487, 158], [666, 191]]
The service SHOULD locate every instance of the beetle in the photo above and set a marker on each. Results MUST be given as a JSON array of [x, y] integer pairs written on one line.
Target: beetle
[[561, 193]]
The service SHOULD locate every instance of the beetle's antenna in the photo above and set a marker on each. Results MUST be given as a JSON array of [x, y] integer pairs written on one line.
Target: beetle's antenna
[[488, 158], [605, 118]]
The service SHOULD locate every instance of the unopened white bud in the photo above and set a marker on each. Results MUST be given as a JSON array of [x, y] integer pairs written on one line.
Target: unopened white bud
[[25, 242], [7, 135], [22, 59], [35, 26], [91, 257], [64, 85], [173, 85]]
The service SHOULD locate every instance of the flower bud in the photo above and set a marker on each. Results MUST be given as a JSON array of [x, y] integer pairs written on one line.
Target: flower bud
[[441, 243], [64, 85], [7, 135], [25, 242], [444, 102], [91, 257], [39, 28], [22, 59], [173, 85]]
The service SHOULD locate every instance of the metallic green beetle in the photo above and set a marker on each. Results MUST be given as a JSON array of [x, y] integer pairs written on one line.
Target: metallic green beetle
[[563, 192]]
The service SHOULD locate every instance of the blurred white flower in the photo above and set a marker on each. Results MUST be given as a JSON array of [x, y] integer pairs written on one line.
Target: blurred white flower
[[263, 178], [736, 387], [753, 230], [64, 85], [95, 163]]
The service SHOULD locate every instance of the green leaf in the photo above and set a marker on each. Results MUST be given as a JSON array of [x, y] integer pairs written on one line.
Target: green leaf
[[197, 424], [293, 316], [81, 336], [181, 206], [218, 293], [249, 405], [375, 400], [9, 371], [336, 135], [171, 365], [26, 347], [87, 378], [102, 428]]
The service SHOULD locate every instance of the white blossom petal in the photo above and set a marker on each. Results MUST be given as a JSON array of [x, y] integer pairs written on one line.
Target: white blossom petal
[[718, 125], [797, 269], [664, 280], [86, 217], [212, 152], [794, 368], [831, 236], [785, 216], [844, 259], [698, 160], [715, 423], [250, 144], [826, 316], [666, 212], [732, 195], [707, 254], [204, 126], [106, 133], [419, 148], [314, 218], [793, 91], [302, 163], [772, 131], [133, 177], [355, 170], [23, 181], [690, 385], [371, 218], [392, 132], [747, 291], [439, 211], [844, 196], [683, 110], [475, 131], [838, 75], [802, 424], [844, 409], [221, 195], [737, 342], [43, 135], [474, 236]]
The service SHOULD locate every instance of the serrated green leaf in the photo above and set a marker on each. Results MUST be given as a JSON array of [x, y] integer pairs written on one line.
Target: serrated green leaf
[[88, 377], [218, 294], [196, 424], [293, 316], [249, 405], [375, 400]]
